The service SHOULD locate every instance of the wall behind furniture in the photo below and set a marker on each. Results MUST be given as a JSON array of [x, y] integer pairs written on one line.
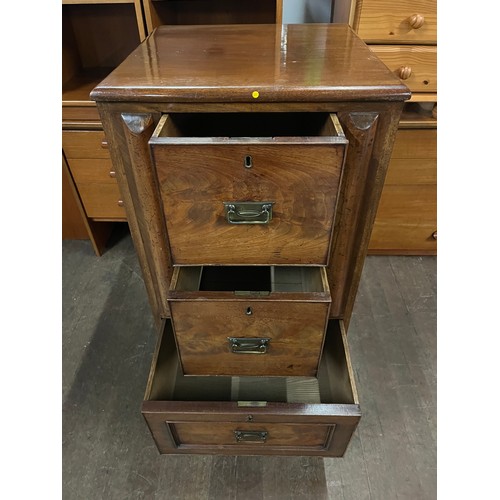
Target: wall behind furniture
[[306, 11]]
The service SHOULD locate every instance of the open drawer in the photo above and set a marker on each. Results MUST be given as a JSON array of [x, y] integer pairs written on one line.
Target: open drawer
[[249, 188], [253, 415], [249, 320]]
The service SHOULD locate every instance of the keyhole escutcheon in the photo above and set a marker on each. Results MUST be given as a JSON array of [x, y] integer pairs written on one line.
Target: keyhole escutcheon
[[247, 161], [249, 311]]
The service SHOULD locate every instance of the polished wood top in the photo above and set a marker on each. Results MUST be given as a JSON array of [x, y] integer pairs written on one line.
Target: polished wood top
[[252, 63]]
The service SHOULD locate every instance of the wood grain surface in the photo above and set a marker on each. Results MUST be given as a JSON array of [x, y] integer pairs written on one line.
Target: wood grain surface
[[388, 21], [420, 62], [84, 144], [170, 399], [296, 331], [301, 179], [286, 63], [298, 436]]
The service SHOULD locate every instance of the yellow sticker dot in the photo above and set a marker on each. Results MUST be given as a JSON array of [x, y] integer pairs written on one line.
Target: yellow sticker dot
[[255, 94]]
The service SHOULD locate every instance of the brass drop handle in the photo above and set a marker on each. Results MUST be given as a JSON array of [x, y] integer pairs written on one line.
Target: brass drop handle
[[112, 173], [253, 436], [120, 203], [248, 345], [435, 235], [416, 21], [404, 72]]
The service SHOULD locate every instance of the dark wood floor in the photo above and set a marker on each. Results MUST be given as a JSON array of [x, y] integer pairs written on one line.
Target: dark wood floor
[[108, 339]]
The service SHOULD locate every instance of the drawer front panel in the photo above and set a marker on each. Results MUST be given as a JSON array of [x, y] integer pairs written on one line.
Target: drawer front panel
[[92, 170], [101, 200], [404, 21], [251, 434], [295, 331], [418, 143], [406, 219], [301, 180], [79, 113], [416, 66], [410, 171], [85, 144]]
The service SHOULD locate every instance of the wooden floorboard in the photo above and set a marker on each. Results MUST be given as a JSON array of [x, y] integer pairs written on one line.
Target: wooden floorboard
[[108, 340]]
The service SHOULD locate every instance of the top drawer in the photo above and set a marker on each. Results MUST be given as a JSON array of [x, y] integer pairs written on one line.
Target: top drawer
[[249, 188], [404, 21]]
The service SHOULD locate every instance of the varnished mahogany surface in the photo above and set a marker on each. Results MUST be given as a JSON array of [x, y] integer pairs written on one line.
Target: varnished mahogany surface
[[251, 63]]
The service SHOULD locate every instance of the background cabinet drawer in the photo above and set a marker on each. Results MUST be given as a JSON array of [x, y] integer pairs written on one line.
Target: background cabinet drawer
[[300, 415], [97, 187], [415, 65], [296, 168], [406, 219], [417, 143], [101, 200], [85, 144], [273, 328], [404, 21]]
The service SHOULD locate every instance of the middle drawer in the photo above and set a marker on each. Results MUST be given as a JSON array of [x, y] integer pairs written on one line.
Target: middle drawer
[[249, 320], [249, 188]]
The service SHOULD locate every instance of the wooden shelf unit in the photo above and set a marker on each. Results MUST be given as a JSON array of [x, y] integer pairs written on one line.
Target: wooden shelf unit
[[162, 12], [96, 37]]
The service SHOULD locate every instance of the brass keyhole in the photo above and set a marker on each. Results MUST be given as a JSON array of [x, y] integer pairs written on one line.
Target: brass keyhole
[[248, 161], [249, 418], [249, 311]]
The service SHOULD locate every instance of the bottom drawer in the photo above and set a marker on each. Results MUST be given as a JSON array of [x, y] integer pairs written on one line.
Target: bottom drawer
[[253, 415]]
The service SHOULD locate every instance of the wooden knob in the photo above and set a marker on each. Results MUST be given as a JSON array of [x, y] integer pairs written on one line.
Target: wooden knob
[[404, 72], [416, 21], [120, 203], [112, 173], [435, 235], [104, 144]]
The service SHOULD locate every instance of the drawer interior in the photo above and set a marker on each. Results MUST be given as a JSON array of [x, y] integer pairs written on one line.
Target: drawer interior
[[333, 385], [267, 279], [249, 125]]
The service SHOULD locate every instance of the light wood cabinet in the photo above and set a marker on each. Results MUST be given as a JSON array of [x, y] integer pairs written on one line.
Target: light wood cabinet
[[403, 35], [96, 37]]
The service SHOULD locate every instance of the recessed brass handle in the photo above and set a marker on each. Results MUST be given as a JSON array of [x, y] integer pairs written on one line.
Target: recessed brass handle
[[253, 436], [404, 72], [248, 345], [416, 21], [248, 212], [435, 235]]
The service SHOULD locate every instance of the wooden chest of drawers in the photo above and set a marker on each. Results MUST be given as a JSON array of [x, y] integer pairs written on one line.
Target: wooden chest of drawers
[[403, 35], [251, 161]]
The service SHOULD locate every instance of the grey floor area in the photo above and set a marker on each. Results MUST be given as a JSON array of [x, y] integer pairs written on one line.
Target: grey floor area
[[108, 339]]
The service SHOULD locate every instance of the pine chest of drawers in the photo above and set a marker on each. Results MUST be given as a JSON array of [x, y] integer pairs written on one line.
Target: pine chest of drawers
[[250, 160]]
